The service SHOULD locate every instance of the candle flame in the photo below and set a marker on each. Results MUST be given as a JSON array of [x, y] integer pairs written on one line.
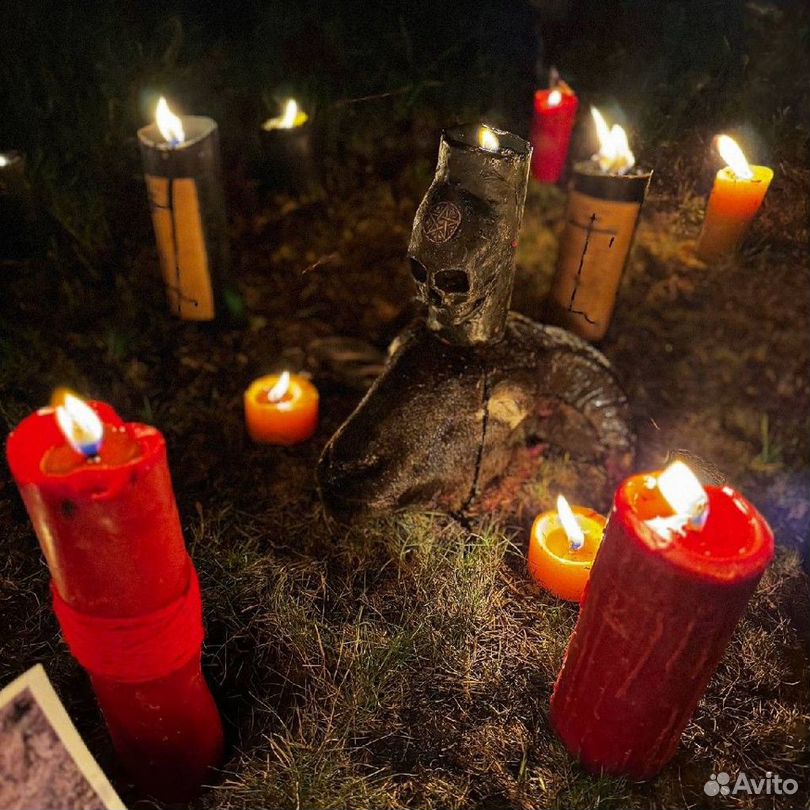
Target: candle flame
[[683, 491], [554, 98], [487, 139], [571, 527], [735, 159], [614, 153], [78, 422], [3, 160], [293, 116], [280, 389], [290, 114], [170, 126]]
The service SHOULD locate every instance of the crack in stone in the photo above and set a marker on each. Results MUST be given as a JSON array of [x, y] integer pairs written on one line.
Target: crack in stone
[[480, 454]]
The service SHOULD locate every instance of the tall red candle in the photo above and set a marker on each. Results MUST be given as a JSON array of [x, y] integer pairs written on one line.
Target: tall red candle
[[656, 618], [125, 592], [554, 112]]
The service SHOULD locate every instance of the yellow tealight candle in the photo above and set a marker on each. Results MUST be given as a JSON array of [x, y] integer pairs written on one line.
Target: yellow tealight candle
[[562, 548], [737, 195], [281, 409]]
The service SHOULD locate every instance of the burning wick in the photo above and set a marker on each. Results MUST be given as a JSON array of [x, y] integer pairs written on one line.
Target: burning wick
[[78, 422], [488, 140], [170, 126], [614, 155], [291, 118], [554, 98], [571, 527], [280, 389], [735, 159], [684, 493]]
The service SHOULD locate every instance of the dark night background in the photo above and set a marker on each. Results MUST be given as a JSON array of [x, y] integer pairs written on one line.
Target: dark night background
[[79, 79], [400, 664]]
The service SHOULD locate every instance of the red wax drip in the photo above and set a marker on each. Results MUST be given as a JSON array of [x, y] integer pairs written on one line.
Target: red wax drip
[[112, 538], [655, 621]]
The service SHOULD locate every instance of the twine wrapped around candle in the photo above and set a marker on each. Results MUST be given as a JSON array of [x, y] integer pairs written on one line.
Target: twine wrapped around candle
[[135, 649], [111, 535]]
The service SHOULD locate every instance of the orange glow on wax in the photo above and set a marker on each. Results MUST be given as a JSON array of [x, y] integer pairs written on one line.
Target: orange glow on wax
[[738, 192], [686, 504], [562, 548], [281, 409]]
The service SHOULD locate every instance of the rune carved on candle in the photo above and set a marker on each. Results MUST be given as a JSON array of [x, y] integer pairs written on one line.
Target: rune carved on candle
[[442, 222]]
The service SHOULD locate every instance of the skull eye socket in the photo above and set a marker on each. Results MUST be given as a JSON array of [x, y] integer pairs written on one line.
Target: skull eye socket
[[418, 271], [452, 281]]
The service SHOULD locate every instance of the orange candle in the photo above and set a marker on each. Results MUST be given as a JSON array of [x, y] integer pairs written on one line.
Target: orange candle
[[737, 195], [562, 548], [281, 409]]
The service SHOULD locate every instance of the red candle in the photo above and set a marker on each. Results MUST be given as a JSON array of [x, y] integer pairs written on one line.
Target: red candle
[[554, 112], [124, 588], [666, 591]]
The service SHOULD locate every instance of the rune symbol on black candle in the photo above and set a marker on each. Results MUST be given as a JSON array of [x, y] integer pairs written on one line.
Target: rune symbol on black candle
[[442, 222], [589, 229]]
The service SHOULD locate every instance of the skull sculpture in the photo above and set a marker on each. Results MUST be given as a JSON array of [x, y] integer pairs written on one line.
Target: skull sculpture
[[467, 391], [462, 248]]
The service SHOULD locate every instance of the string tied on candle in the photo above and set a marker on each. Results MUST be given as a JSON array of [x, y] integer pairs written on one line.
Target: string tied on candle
[[135, 649]]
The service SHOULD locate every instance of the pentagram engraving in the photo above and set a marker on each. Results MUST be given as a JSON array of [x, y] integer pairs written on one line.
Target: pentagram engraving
[[442, 222]]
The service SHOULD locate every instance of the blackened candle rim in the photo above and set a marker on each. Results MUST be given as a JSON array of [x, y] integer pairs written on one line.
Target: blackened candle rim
[[465, 137], [196, 127], [589, 179]]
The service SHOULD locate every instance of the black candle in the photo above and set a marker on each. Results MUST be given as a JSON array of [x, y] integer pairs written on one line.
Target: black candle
[[287, 149], [464, 237], [183, 178]]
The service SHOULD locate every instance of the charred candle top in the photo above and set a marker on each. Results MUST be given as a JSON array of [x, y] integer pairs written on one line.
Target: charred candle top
[[464, 236]]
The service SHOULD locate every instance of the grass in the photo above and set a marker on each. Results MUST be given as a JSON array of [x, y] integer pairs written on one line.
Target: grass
[[412, 665]]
